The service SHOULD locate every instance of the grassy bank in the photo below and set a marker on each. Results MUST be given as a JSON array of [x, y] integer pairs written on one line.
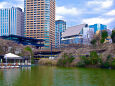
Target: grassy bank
[[85, 57]]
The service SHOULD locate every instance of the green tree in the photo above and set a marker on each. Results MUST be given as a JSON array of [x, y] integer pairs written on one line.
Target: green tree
[[113, 36], [104, 35], [29, 49]]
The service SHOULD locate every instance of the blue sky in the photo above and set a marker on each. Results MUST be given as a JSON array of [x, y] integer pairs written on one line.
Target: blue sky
[[76, 12]]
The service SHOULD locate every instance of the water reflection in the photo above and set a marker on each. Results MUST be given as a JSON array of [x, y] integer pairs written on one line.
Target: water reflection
[[38, 76], [9, 76], [84, 77], [56, 76]]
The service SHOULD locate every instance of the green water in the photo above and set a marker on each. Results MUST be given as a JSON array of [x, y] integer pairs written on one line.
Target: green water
[[57, 76]]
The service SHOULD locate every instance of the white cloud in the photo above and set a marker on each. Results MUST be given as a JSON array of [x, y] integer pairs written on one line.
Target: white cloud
[[101, 3], [3, 4], [58, 17], [10, 4], [67, 11], [98, 20], [110, 13]]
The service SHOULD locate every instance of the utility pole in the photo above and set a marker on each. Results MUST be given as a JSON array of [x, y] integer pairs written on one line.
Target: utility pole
[[51, 48]]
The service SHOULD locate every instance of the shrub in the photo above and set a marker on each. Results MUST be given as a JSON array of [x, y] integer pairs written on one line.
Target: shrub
[[65, 60], [94, 58], [113, 64], [80, 64], [109, 58], [93, 42], [85, 59], [107, 63], [61, 62]]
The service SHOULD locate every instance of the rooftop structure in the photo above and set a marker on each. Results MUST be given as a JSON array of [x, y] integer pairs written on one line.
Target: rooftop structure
[[25, 40], [74, 31]]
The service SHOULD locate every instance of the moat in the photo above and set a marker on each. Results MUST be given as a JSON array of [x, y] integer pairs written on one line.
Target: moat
[[56, 76]]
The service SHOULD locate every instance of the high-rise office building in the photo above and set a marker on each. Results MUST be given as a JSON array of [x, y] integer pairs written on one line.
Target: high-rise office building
[[60, 26], [98, 27], [11, 21], [40, 20]]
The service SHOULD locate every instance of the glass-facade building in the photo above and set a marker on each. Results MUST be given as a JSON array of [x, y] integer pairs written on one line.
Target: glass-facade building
[[40, 20], [98, 27], [11, 21], [60, 26], [79, 34], [73, 40]]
